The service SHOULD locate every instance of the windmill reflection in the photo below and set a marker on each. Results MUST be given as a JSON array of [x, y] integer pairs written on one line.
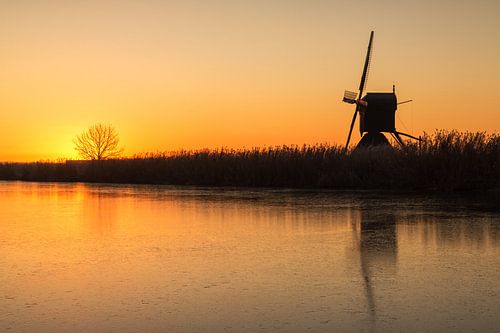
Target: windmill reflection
[[377, 238]]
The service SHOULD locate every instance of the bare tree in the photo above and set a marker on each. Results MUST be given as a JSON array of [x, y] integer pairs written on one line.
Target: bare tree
[[99, 142]]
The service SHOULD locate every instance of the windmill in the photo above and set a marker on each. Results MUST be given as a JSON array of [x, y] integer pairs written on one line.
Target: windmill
[[377, 111]]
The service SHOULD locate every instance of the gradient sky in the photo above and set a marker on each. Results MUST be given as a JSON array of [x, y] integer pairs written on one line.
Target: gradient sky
[[194, 74]]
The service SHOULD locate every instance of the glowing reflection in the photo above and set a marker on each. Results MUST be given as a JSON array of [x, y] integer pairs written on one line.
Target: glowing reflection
[[79, 257]]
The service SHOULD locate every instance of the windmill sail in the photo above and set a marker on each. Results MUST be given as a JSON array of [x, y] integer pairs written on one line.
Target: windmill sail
[[366, 68], [350, 97], [362, 85]]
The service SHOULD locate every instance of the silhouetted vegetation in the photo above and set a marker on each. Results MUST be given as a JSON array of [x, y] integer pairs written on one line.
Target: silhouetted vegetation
[[444, 161], [99, 142]]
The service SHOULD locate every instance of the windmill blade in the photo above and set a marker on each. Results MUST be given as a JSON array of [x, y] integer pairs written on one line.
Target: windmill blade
[[349, 97], [364, 77], [350, 130], [361, 89]]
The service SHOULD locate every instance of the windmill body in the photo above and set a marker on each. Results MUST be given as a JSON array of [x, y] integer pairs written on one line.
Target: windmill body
[[377, 111], [376, 117], [380, 113]]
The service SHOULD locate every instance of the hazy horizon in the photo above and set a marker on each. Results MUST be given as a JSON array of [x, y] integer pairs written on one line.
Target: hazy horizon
[[190, 75]]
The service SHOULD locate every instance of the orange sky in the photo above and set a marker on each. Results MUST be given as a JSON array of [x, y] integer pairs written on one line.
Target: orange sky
[[194, 74]]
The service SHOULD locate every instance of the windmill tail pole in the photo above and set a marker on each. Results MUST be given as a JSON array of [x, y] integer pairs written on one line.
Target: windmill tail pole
[[398, 139], [410, 136]]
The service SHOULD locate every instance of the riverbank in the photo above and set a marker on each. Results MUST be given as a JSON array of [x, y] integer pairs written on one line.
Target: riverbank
[[444, 161]]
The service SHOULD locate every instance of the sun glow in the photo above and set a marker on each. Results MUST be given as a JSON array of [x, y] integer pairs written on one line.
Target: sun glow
[[179, 75]]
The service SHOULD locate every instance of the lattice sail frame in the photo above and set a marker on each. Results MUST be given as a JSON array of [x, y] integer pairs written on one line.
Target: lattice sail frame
[[350, 97]]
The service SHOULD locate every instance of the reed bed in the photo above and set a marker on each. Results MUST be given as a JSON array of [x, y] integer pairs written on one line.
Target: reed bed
[[443, 161]]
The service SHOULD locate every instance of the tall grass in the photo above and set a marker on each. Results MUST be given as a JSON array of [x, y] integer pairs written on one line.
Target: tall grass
[[443, 161]]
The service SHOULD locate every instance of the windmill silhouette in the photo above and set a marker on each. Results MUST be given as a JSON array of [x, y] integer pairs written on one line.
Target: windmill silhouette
[[377, 111]]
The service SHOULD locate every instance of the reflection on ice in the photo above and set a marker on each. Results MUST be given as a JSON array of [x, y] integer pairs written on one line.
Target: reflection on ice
[[78, 257], [377, 248]]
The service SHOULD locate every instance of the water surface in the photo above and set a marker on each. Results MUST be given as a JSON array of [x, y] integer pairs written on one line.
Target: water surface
[[107, 258]]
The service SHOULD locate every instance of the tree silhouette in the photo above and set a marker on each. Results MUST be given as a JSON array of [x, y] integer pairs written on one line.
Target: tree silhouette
[[99, 142]]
